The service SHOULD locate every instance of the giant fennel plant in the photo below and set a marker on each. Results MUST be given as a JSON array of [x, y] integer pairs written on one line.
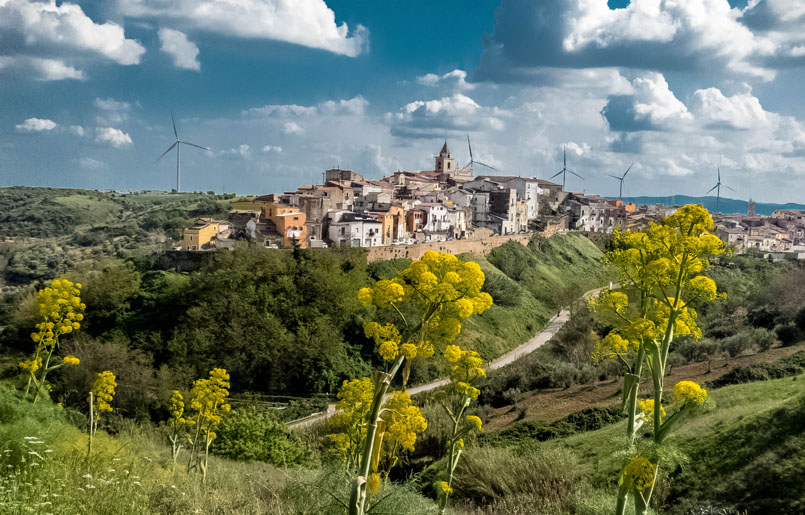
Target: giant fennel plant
[[412, 316], [663, 271]]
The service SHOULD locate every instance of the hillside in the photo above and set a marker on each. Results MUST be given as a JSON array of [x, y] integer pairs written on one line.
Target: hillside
[[46, 231], [725, 205]]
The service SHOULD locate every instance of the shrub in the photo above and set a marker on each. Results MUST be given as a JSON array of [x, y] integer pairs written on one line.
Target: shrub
[[787, 334], [588, 419], [791, 366], [247, 434], [748, 339]]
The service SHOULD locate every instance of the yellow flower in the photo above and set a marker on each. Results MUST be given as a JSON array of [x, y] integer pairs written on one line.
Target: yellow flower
[[445, 487], [388, 350], [71, 360], [32, 365], [647, 407], [408, 350], [452, 353], [103, 392], [476, 421], [689, 393], [640, 472]]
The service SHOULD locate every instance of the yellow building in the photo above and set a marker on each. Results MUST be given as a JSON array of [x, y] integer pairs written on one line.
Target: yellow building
[[201, 234]]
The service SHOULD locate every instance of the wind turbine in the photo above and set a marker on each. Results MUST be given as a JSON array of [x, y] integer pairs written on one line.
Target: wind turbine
[[178, 144], [717, 187], [565, 169], [621, 178], [472, 161]]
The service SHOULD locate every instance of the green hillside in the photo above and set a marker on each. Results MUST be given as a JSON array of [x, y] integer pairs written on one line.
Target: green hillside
[[725, 205]]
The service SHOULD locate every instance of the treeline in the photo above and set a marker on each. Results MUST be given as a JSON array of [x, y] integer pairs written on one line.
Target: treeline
[[279, 322]]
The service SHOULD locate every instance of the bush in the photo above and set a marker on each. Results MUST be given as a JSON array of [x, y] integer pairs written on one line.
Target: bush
[[588, 419], [787, 334], [748, 339], [791, 366], [247, 434]]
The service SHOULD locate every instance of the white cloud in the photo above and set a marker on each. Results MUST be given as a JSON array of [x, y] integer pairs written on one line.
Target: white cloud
[[455, 114], [92, 164], [352, 106], [77, 130], [292, 128], [651, 106], [41, 69], [183, 51], [37, 125], [455, 79], [303, 22], [113, 112], [739, 111], [48, 27], [110, 104], [272, 148], [697, 35], [114, 137]]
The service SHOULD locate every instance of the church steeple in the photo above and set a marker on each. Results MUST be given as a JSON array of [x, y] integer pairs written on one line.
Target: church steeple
[[444, 162]]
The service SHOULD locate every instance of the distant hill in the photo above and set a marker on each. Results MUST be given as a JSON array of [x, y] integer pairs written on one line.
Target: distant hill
[[726, 205]]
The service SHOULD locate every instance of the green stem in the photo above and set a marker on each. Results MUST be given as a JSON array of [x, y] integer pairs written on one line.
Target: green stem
[[44, 372], [623, 494], [357, 497]]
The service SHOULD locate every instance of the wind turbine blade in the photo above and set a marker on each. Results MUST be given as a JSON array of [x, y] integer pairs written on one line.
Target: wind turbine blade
[[719, 174], [577, 175], [470, 147], [627, 170], [169, 149], [174, 127], [486, 165], [564, 157], [557, 174], [731, 189], [711, 189], [615, 177], [193, 145]]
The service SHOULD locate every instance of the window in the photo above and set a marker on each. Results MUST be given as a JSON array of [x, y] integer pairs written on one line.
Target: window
[[448, 166]]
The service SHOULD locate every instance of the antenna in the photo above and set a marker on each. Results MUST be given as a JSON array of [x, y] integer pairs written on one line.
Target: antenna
[[621, 178], [178, 144], [565, 169]]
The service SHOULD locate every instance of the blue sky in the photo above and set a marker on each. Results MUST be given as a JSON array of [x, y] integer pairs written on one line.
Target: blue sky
[[282, 89]]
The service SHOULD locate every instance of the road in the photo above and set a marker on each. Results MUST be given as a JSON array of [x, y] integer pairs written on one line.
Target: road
[[554, 325]]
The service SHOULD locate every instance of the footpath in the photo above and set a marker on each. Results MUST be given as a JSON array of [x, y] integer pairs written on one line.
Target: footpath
[[554, 325]]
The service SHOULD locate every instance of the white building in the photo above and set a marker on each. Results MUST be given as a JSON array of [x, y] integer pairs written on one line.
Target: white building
[[348, 229]]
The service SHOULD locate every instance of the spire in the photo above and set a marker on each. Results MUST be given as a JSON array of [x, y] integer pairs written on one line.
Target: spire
[[445, 151]]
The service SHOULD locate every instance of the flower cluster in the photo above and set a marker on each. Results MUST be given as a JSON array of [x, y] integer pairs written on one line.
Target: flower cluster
[[176, 408], [208, 400], [60, 308], [348, 425], [71, 360], [688, 393], [465, 368], [403, 422], [640, 473], [647, 408], [103, 392], [435, 294]]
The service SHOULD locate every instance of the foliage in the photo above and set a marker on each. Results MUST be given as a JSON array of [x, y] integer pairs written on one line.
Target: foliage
[[588, 419], [247, 434], [791, 366]]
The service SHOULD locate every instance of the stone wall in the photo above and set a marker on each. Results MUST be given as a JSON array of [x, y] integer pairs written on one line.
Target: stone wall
[[479, 247]]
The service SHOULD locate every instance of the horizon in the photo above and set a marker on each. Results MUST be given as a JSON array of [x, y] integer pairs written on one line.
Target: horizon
[[89, 88]]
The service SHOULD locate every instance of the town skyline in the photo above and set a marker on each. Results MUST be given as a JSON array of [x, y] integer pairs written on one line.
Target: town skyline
[[678, 91]]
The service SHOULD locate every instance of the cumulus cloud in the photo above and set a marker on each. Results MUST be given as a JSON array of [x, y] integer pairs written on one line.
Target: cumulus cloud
[[37, 125], [183, 51], [455, 79], [112, 112], [43, 28], [39, 68], [112, 136], [739, 111], [272, 148], [352, 106], [303, 22], [705, 35], [77, 130], [651, 106], [456, 114], [292, 128]]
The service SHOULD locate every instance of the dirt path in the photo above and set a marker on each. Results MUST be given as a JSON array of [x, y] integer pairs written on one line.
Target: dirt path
[[554, 325]]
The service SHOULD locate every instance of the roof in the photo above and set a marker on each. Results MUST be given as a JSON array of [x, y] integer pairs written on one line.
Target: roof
[[444, 150]]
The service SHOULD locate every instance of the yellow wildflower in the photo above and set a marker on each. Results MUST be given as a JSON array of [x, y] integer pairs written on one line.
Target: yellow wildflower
[[689, 393], [476, 421], [640, 472], [445, 487], [71, 360]]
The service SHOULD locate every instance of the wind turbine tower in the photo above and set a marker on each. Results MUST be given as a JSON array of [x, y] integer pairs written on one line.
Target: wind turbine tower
[[717, 187], [178, 144], [621, 178], [565, 169]]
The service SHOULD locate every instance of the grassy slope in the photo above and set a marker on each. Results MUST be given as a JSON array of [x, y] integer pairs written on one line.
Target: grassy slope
[[749, 451]]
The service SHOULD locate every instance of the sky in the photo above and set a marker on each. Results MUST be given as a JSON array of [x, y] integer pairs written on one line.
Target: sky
[[280, 90]]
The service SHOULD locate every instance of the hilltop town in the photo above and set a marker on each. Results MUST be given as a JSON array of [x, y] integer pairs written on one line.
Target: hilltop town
[[451, 203]]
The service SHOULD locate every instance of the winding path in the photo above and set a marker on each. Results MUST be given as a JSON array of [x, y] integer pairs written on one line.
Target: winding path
[[554, 325]]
